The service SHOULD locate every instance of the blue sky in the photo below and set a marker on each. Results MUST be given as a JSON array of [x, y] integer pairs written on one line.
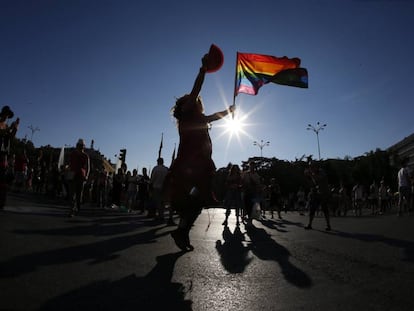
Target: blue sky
[[111, 70]]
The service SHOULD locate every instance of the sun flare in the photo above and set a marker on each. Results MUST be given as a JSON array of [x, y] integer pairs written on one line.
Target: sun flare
[[235, 126]]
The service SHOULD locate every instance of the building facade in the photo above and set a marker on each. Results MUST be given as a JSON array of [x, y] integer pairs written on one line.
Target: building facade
[[403, 149]]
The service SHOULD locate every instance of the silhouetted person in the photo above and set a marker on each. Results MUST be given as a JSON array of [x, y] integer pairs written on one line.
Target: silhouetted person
[[190, 177], [320, 194], [233, 193], [404, 188], [80, 167], [252, 188], [102, 184], [118, 185], [157, 179], [383, 197], [301, 200], [7, 133], [143, 193], [275, 200], [131, 181], [358, 198], [373, 198], [20, 170]]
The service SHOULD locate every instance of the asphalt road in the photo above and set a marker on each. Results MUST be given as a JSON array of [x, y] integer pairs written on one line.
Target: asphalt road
[[111, 260]]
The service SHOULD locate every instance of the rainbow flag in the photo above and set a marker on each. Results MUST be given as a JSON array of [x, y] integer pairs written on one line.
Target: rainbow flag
[[255, 70]]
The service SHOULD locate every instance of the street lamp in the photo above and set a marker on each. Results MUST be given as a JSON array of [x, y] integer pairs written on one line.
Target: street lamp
[[316, 129], [261, 145]]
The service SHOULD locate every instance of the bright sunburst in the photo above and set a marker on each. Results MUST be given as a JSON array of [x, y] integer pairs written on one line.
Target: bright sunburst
[[235, 126]]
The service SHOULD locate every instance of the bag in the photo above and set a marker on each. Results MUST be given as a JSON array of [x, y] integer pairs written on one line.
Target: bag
[[256, 212]]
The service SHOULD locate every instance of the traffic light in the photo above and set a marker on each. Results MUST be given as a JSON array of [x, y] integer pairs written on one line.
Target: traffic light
[[122, 155]]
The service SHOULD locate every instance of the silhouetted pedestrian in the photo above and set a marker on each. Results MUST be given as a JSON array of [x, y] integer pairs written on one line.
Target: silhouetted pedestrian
[[373, 198], [7, 133], [143, 194], [157, 179], [275, 201], [383, 197], [233, 193], [118, 187], [252, 188], [80, 167], [358, 198], [320, 194], [301, 200], [102, 187], [20, 170], [132, 189], [404, 188]]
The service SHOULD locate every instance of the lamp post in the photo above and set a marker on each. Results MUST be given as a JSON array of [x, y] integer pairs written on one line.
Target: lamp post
[[316, 129], [261, 145]]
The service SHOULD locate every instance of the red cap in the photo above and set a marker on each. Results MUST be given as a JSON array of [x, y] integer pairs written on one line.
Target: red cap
[[215, 59]]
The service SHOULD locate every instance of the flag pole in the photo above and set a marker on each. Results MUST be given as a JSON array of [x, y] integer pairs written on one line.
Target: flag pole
[[235, 84], [159, 150], [173, 156], [234, 103]]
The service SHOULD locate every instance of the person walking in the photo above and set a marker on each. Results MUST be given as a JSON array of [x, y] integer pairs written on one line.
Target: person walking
[[233, 193], [404, 188], [7, 133], [102, 185], [20, 170], [373, 198], [252, 188], [132, 190], [80, 168], [157, 179], [301, 200], [358, 198], [383, 197], [343, 200], [190, 177], [118, 188], [319, 195], [275, 201], [143, 194]]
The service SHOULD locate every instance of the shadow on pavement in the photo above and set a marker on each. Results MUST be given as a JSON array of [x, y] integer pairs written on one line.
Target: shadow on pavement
[[280, 224], [96, 252], [94, 227], [233, 253], [154, 291], [406, 246], [265, 248]]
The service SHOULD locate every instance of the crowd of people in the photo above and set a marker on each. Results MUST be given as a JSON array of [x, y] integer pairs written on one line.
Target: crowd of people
[[140, 192], [244, 189], [131, 191], [124, 190], [78, 183]]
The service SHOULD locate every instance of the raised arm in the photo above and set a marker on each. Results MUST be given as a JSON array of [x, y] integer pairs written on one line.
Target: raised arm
[[220, 114], [198, 83], [13, 128]]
